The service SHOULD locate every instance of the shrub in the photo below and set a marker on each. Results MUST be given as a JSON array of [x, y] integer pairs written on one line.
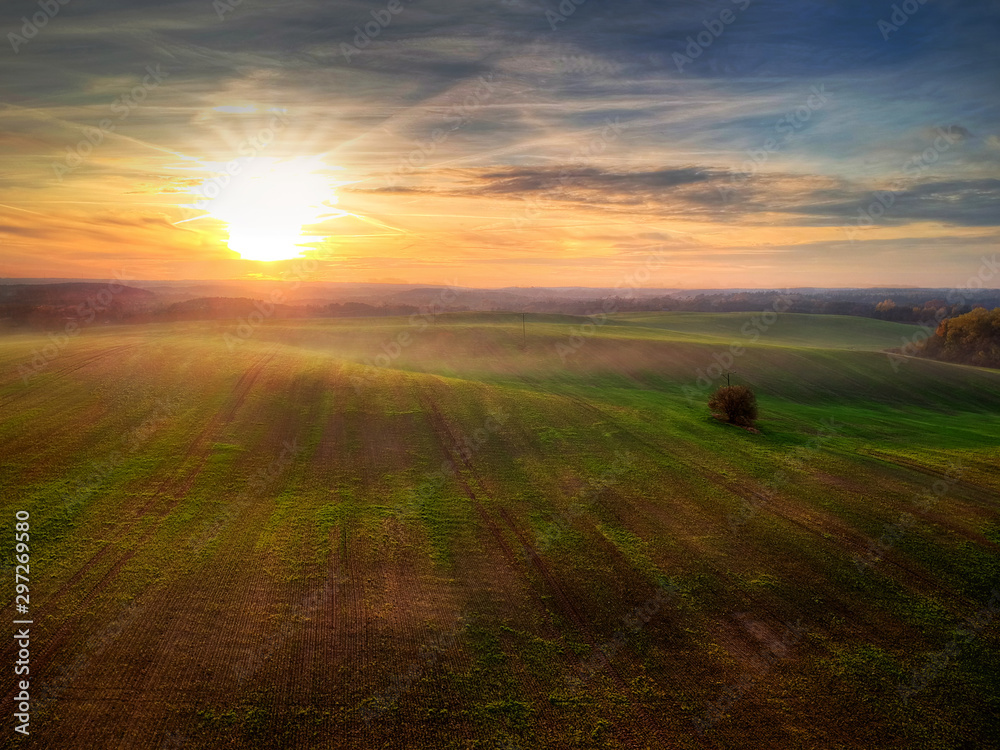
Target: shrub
[[736, 402]]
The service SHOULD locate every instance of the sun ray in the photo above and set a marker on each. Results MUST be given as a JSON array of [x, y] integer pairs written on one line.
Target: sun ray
[[268, 203]]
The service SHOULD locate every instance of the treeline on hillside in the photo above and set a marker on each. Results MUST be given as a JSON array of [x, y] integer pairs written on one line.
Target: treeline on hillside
[[214, 308], [362, 310], [222, 308], [971, 339], [904, 306], [42, 305], [50, 306]]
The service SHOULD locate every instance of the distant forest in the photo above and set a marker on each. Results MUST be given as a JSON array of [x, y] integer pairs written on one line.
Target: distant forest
[[50, 306], [903, 306]]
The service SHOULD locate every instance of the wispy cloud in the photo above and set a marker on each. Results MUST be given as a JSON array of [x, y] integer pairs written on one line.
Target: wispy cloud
[[686, 133]]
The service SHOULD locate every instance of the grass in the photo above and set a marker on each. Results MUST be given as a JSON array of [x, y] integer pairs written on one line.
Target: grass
[[418, 573]]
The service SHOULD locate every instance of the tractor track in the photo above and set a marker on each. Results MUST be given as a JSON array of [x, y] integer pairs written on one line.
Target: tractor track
[[852, 541], [73, 366], [447, 438], [175, 487]]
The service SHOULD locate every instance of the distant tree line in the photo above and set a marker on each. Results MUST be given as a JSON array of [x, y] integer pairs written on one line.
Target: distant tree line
[[903, 306], [363, 310], [229, 307], [51, 305]]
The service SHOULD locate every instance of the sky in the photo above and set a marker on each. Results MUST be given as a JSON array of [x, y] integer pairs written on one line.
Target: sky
[[491, 143]]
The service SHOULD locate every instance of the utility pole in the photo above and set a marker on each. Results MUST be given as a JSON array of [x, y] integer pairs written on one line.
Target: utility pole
[[524, 333]]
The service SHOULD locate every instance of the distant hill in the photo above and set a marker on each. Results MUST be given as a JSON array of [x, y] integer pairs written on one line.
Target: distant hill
[[234, 308], [48, 304], [44, 305], [211, 308], [73, 293]]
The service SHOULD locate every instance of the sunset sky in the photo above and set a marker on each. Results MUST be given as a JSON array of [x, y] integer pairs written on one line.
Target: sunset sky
[[506, 142]]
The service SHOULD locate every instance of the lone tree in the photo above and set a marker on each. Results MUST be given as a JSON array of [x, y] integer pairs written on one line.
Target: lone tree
[[736, 402]]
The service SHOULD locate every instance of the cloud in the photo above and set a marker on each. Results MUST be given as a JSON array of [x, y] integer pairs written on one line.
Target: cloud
[[522, 180], [956, 202], [684, 159]]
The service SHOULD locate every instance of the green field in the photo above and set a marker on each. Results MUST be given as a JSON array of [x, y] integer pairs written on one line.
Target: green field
[[489, 538]]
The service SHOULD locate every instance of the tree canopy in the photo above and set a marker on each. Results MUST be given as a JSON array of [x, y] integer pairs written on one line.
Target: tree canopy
[[972, 339]]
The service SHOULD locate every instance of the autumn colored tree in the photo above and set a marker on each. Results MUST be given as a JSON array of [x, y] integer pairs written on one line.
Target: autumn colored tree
[[973, 339]]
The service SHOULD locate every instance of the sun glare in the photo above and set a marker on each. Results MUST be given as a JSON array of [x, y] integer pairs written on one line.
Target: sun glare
[[268, 202]]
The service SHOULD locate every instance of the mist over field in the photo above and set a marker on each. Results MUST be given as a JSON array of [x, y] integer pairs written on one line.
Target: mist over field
[[483, 529]]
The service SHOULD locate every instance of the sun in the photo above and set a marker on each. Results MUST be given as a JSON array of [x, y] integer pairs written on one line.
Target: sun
[[267, 203]]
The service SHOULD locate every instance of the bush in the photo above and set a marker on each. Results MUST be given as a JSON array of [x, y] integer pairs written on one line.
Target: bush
[[736, 402]]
